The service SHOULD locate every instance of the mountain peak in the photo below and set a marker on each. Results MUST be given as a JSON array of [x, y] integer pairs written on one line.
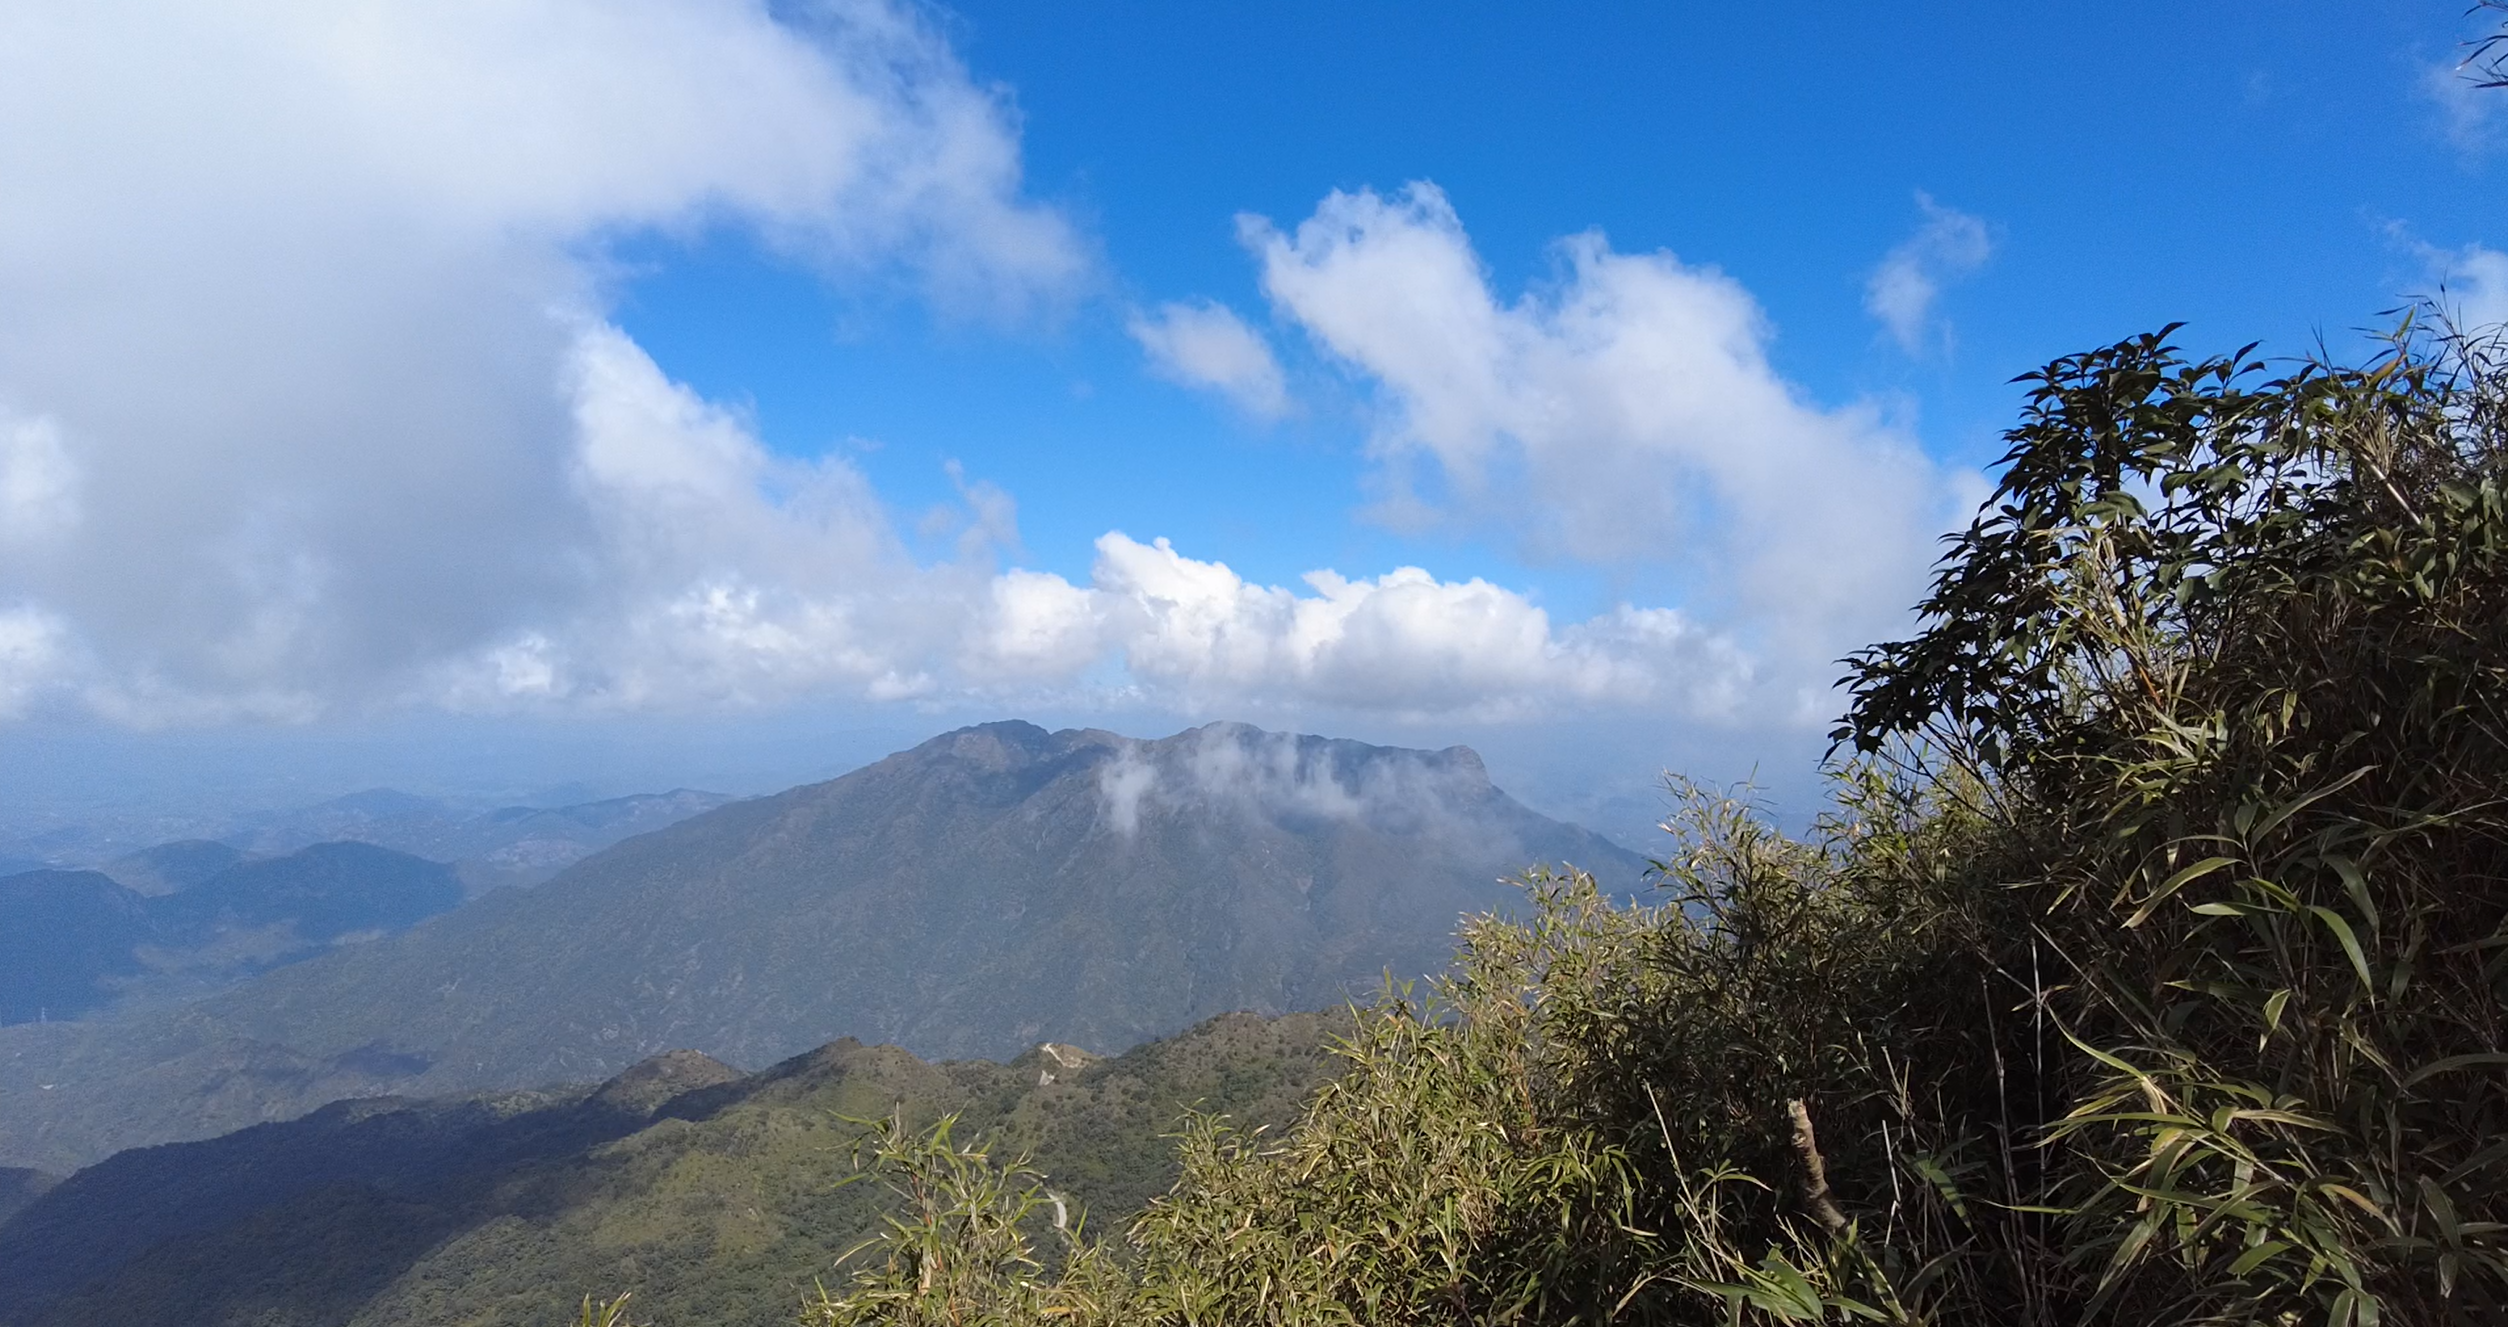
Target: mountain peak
[[1053, 1061], [995, 748], [991, 889], [646, 1085]]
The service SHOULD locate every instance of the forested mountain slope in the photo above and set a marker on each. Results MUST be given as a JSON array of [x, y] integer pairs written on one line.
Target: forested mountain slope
[[993, 888], [715, 1197]]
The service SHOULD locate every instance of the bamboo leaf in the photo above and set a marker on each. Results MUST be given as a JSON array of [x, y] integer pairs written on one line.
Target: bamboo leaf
[[2351, 945]]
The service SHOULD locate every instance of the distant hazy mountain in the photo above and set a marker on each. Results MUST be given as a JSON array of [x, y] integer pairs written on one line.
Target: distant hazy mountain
[[714, 1197], [76, 941], [489, 845], [64, 935], [321, 893], [993, 888], [506, 846], [170, 867]]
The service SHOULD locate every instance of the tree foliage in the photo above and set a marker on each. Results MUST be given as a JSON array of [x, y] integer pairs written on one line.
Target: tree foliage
[[2227, 662], [2486, 63]]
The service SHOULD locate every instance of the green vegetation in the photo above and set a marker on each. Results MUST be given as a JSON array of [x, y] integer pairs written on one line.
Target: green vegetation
[[2152, 968], [710, 1196]]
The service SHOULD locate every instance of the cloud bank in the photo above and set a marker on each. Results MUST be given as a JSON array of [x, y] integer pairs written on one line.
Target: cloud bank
[[309, 401], [297, 295], [734, 577]]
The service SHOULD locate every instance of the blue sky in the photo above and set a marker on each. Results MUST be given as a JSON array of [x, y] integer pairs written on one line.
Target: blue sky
[[2138, 164], [583, 371]]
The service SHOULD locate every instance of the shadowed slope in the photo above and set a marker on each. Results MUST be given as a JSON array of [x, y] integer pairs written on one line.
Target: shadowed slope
[[717, 1198]]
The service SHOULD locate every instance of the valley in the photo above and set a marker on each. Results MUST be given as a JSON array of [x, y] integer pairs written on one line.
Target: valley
[[713, 1196]]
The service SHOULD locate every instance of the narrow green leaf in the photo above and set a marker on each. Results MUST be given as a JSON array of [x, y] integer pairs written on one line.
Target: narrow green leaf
[[2452, 1063], [2351, 945]]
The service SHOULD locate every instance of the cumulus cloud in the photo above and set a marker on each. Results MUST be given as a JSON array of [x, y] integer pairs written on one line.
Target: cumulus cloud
[[1404, 642], [297, 294], [1206, 345], [1902, 291], [731, 576], [726, 575], [309, 399], [1624, 414]]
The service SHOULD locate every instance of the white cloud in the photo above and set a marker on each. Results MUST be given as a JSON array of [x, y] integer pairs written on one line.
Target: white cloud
[[1626, 415], [1207, 345], [731, 577], [38, 483], [295, 292], [2469, 114], [1037, 627], [30, 657], [1403, 643], [725, 575], [2475, 281], [1902, 291], [313, 403]]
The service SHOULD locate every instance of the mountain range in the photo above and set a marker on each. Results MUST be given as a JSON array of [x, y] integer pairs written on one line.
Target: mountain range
[[489, 845], [507, 845], [74, 941], [994, 888]]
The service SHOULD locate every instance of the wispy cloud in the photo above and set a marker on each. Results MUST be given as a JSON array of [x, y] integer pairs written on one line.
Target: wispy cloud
[[1207, 345], [1902, 291], [2470, 115]]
